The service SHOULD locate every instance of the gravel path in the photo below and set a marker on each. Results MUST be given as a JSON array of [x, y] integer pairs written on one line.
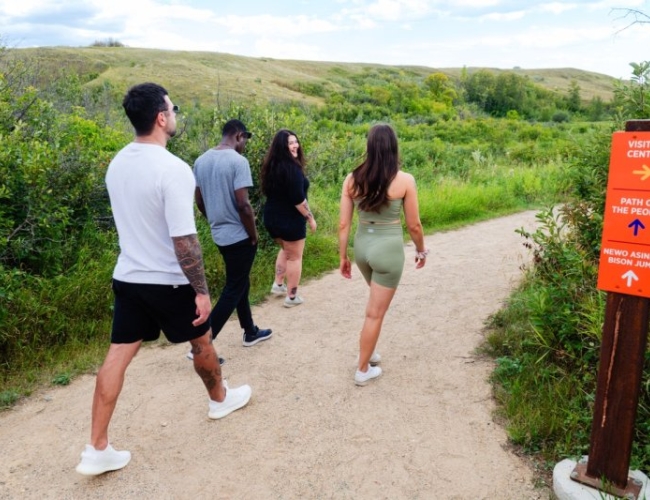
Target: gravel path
[[424, 430]]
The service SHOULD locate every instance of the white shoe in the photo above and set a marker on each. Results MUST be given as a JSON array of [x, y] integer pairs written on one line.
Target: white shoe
[[362, 378], [279, 289], [95, 462], [375, 359], [296, 301], [235, 399]]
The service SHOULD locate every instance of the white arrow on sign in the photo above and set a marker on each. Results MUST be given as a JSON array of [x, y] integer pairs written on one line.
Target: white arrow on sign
[[630, 277]]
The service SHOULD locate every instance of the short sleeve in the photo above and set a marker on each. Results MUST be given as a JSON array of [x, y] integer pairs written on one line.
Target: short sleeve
[[296, 186], [178, 194], [243, 177]]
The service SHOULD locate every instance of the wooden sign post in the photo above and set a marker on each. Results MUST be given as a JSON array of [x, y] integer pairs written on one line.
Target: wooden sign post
[[624, 272]]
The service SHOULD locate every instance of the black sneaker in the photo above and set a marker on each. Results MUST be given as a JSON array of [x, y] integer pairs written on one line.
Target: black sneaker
[[249, 339]]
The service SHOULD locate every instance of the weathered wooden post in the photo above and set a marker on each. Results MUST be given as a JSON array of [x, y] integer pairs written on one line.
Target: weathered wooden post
[[624, 273]]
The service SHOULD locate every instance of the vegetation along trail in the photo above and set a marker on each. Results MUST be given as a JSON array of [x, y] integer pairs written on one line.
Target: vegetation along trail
[[425, 429]]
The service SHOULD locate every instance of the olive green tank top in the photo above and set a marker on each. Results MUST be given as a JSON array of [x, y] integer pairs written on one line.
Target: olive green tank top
[[387, 214]]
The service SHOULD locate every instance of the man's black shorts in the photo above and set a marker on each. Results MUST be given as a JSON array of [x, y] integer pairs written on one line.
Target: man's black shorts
[[142, 311]]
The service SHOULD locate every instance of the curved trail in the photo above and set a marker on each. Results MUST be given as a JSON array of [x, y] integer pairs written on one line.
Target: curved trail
[[424, 430]]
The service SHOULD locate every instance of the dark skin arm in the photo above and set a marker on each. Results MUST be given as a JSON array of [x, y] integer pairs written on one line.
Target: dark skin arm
[[246, 214], [190, 258], [198, 197]]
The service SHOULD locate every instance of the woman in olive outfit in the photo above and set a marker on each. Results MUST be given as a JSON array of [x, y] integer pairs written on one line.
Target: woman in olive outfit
[[286, 211]]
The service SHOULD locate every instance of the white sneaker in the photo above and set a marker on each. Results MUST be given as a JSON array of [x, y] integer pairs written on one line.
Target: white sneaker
[[362, 378], [279, 289], [375, 359], [95, 462], [296, 301], [235, 399]]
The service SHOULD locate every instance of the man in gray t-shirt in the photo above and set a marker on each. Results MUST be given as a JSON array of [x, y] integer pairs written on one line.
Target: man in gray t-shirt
[[223, 177]]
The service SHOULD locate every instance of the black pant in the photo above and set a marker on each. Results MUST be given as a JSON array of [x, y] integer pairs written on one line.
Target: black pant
[[238, 258]]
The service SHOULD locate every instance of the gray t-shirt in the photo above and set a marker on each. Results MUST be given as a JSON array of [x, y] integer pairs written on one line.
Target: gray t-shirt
[[219, 173]]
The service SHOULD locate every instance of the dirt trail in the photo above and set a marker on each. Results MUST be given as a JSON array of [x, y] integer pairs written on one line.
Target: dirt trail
[[424, 430]]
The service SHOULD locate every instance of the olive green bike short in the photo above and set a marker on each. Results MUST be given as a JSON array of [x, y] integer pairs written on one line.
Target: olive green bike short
[[379, 253]]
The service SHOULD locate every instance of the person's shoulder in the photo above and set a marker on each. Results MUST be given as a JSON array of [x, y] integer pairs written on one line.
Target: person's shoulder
[[405, 179], [404, 176]]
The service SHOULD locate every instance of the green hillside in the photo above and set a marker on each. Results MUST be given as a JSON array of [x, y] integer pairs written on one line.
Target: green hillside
[[217, 77]]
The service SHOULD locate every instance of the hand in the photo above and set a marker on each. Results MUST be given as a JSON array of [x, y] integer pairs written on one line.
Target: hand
[[312, 224], [346, 268], [203, 308], [421, 258]]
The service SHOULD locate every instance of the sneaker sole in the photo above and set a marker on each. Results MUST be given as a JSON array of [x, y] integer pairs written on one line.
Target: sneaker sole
[[225, 413], [290, 305], [96, 471], [274, 292], [256, 341], [361, 383]]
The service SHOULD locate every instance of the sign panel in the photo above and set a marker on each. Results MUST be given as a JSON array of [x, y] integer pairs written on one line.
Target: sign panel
[[625, 250]]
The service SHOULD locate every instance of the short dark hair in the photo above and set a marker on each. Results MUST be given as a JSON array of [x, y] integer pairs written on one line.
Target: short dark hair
[[142, 103], [233, 127]]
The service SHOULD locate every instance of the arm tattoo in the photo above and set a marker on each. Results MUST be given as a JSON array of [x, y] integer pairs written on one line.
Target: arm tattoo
[[190, 258], [308, 215]]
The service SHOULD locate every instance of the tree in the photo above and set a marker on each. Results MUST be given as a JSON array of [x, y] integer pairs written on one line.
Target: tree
[[633, 99]]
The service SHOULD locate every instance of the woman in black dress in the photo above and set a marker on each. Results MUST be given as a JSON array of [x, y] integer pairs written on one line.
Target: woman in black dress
[[286, 211]]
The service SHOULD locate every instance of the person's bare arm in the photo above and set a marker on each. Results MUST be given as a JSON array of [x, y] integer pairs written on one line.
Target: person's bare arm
[[190, 258], [305, 211], [412, 217], [246, 214], [345, 221], [198, 197]]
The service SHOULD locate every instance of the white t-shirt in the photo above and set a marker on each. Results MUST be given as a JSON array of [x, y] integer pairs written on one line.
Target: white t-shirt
[[152, 197]]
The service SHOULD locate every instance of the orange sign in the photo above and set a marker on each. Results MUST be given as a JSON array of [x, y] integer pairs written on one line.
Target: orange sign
[[625, 250]]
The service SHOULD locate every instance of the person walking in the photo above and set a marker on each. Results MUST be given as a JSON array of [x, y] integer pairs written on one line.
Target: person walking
[[159, 281], [286, 211], [223, 177], [379, 190]]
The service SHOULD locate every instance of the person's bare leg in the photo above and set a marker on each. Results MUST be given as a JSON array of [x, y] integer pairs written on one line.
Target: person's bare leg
[[206, 365], [293, 251], [378, 302], [108, 386], [280, 265]]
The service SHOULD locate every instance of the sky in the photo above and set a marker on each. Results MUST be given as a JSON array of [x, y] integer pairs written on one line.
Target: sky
[[590, 35]]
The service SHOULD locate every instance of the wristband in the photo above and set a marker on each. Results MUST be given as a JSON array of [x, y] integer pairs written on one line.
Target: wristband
[[422, 255]]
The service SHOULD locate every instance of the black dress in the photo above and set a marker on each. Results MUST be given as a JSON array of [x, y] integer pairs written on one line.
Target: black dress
[[281, 217]]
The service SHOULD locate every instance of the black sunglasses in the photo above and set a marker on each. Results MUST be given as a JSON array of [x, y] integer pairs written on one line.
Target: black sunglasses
[[175, 108]]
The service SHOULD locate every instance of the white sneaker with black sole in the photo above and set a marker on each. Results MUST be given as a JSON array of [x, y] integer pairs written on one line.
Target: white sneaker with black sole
[[292, 302], [362, 378], [375, 359]]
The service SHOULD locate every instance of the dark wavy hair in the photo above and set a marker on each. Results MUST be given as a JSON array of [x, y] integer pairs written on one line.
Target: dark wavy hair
[[275, 171], [371, 179], [142, 103]]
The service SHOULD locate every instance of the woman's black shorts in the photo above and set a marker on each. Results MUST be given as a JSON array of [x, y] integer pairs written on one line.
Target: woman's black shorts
[[285, 227]]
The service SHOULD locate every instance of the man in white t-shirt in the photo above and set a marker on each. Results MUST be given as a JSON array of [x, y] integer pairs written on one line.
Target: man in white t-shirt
[[159, 280]]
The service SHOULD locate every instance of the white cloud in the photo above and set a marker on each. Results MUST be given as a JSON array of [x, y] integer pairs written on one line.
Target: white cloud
[[279, 26], [557, 7], [505, 16]]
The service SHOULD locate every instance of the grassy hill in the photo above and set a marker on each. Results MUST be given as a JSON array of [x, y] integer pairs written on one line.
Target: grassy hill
[[211, 77]]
